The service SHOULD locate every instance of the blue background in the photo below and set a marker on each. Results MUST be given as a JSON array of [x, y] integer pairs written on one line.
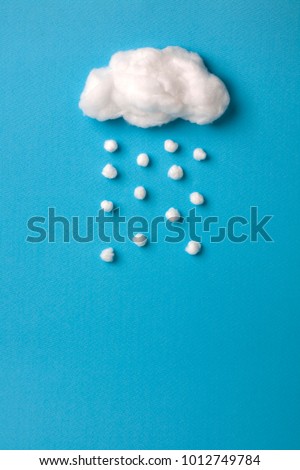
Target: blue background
[[159, 350]]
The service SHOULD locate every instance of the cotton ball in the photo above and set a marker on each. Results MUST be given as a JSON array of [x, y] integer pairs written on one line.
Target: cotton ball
[[170, 146], [175, 172], [142, 159], [140, 192], [107, 255], [193, 247], [110, 145], [172, 214], [140, 239], [109, 171], [199, 154], [196, 198], [107, 206]]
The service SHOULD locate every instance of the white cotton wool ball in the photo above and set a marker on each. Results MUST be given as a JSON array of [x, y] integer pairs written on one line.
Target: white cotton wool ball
[[107, 255], [172, 214], [175, 172], [193, 247], [140, 192], [107, 206], [109, 171], [142, 159], [199, 154], [110, 145], [196, 198], [140, 239], [170, 146]]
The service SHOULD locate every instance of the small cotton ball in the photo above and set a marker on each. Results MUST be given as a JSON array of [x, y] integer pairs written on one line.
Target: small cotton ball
[[107, 255], [196, 198], [170, 146], [142, 159], [175, 172], [193, 247], [109, 171], [140, 239], [107, 206], [199, 154], [110, 145], [140, 192], [172, 214]]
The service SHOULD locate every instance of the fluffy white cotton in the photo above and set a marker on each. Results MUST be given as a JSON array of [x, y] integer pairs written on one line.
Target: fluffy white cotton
[[170, 146], [110, 145], [172, 214], [193, 247], [140, 192], [175, 172], [109, 171], [150, 87], [140, 239], [143, 159], [199, 154], [107, 206], [196, 198], [107, 255]]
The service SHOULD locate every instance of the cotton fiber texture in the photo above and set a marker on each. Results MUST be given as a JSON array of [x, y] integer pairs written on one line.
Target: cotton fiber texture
[[150, 87]]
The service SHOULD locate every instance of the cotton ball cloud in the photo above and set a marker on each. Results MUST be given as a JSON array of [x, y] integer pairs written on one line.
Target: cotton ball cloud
[[150, 87]]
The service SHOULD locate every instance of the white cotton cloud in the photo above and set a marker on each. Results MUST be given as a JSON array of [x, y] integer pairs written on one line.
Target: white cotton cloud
[[150, 87]]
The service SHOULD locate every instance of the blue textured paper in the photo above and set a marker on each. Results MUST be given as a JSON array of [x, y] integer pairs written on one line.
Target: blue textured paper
[[159, 350]]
